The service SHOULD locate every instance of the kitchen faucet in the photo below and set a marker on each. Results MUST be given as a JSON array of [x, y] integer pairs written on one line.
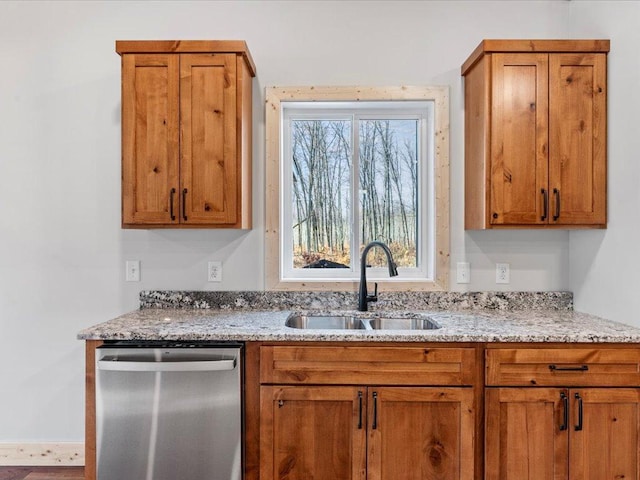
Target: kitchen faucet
[[364, 298]]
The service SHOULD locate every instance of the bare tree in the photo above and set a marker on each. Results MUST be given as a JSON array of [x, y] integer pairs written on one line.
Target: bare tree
[[321, 170]]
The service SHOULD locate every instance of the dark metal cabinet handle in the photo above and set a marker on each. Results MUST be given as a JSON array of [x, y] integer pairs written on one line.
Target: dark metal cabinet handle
[[565, 411], [359, 410], [374, 425], [581, 368], [556, 193], [184, 204], [578, 427], [545, 200], [171, 195]]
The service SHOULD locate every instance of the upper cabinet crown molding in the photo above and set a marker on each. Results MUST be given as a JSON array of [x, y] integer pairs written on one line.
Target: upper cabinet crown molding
[[524, 46], [188, 46], [535, 134], [186, 134]]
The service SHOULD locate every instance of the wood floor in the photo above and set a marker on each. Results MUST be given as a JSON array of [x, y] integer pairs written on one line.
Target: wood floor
[[41, 473]]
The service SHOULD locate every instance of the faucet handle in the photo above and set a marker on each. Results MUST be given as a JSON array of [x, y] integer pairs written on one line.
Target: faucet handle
[[374, 297]]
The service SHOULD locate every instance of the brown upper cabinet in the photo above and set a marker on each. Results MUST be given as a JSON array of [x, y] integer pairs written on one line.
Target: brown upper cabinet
[[535, 134], [186, 134]]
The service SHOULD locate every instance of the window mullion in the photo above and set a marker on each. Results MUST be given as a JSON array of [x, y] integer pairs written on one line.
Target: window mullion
[[355, 195]]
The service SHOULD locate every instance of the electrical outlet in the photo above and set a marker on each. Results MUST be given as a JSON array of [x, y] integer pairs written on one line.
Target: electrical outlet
[[502, 273], [132, 270], [463, 272], [215, 272]]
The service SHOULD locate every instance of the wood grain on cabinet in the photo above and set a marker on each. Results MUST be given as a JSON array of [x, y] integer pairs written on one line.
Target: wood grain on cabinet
[[238, 47], [150, 130], [597, 366], [586, 428], [186, 134], [251, 397], [577, 138], [530, 437], [371, 365], [535, 134], [90, 409], [523, 440], [477, 141], [420, 433], [312, 432], [208, 165], [519, 125], [411, 430], [528, 46], [606, 445], [374, 432]]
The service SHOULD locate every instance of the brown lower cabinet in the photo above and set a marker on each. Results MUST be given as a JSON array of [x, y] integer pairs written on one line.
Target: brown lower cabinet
[[367, 412], [562, 413], [562, 433], [366, 432]]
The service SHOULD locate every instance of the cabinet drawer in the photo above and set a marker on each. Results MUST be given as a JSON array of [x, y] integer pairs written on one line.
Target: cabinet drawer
[[367, 365], [559, 367]]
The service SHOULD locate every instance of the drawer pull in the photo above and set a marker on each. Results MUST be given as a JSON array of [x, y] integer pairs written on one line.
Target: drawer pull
[[556, 193], [578, 427], [172, 192], [184, 204], [374, 425], [581, 368], [359, 410], [565, 411]]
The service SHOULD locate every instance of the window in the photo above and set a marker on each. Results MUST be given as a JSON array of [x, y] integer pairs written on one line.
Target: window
[[346, 166]]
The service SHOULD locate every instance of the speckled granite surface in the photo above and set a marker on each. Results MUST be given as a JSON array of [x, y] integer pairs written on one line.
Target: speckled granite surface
[[451, 301], [269, 325]]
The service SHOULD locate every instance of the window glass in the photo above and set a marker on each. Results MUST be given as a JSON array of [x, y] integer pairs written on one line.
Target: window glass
[[321, 193], [388, 176]]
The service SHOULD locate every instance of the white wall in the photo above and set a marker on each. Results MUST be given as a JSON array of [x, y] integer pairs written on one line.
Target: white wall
[[605, 264], [62, 250]]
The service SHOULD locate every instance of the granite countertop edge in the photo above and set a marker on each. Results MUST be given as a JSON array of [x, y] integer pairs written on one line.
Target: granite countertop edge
[[482, 326]]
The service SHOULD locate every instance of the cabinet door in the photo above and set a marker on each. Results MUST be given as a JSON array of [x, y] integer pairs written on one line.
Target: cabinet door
[[312, 432], [605, 443], [577, 152], [208, 122], [150, 106], [526, 435], [419, 433], [519, 121]]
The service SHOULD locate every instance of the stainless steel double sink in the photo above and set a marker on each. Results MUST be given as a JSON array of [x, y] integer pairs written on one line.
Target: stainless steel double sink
[[352, 322]]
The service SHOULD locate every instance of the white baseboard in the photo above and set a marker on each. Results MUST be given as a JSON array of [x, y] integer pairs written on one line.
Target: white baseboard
[[41, 454]]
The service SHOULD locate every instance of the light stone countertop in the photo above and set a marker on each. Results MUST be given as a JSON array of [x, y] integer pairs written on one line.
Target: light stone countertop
[[191, 324]]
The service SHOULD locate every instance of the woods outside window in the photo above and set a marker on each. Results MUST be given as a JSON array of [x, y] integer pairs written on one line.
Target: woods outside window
[[349, 165]]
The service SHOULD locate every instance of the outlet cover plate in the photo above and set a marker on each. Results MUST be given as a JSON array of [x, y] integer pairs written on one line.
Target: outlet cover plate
[[502, 273], [214, 271], [132, 270], [463, 272]]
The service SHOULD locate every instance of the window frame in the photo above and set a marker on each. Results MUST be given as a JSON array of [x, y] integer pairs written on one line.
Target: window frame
[[274, 247]]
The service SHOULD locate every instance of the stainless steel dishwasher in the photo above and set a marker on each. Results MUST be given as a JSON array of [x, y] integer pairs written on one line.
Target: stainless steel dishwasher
[[168, 412]]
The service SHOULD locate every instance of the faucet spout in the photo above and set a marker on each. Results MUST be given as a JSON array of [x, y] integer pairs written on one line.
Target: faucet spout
[[363, 297]]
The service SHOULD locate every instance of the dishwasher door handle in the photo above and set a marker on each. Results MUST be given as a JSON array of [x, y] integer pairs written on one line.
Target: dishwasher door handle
[[188, 366]]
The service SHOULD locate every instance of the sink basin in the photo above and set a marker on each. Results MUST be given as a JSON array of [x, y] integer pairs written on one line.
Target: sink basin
[[331, 322], [421, 323], [350, 322]]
